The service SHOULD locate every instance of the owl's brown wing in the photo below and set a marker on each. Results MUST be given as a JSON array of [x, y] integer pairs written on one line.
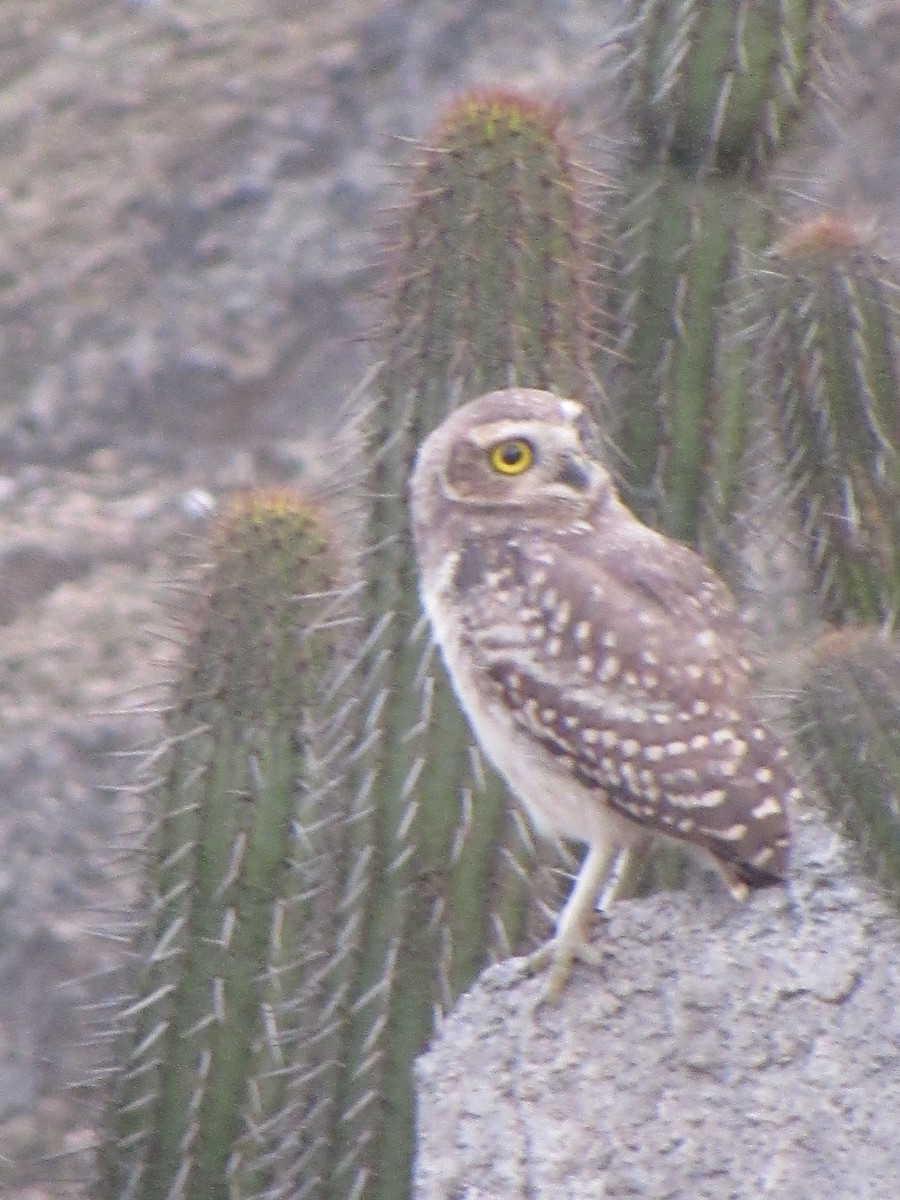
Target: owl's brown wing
[[625, 661]]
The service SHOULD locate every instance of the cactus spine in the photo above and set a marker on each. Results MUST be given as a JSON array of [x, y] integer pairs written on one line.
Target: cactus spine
[[236, 905], [489, 287], [829, 357]]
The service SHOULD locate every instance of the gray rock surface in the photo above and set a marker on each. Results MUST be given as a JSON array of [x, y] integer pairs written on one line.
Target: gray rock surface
[[721, 1052]]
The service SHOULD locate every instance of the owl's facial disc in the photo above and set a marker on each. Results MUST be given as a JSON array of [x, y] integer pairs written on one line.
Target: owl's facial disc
[[525, 462]]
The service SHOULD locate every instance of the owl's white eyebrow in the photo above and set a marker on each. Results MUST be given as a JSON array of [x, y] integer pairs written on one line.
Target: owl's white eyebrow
[[484, 436]]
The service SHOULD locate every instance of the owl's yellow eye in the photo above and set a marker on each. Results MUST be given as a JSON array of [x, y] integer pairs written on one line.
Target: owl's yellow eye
[[512, 457]]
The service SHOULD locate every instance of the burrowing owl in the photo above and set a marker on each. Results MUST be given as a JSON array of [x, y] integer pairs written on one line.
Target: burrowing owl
[[600, 664]]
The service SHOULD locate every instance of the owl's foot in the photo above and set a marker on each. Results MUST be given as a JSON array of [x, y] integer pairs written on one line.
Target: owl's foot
[[558, 954], [603, 864]]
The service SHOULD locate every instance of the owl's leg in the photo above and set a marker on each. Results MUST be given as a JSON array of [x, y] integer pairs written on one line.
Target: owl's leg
[[615, 878], [569, 942]]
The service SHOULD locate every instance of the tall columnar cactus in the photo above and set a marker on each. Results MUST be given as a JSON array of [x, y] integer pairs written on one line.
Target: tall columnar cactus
[[828, 355], [710, 90], [233, 980], [846, 715], [682, 413], [489, 285], [715, 84]]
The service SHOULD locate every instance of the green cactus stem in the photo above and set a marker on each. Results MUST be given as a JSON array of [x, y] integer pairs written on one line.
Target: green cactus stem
[[715, 84], [489, 286], [847, 719], [681, 410], [829, 358], [237, 911]]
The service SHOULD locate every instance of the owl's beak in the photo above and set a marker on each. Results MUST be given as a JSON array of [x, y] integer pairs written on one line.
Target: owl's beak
[[575, 473]]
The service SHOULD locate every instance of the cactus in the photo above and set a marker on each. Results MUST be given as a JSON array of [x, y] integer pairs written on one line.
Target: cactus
[[847, 718], [681, 417], [489, 285], [829, 357], [710, 90], [715, 84], [228, 981]]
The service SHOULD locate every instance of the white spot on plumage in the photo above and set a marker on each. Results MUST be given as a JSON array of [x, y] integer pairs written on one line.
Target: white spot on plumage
[[770, 807], [608, 669], [560, 617]]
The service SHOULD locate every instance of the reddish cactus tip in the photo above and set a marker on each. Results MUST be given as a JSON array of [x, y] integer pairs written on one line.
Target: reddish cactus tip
[[495, 109], [829, 235], [284, 503], [267, 523], [266, 501], [837, 645]]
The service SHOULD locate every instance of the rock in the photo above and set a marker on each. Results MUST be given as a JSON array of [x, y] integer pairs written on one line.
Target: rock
[[720, 1052]]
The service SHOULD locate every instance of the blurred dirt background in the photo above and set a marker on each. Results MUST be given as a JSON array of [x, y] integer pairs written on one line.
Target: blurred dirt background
[[190, 198]]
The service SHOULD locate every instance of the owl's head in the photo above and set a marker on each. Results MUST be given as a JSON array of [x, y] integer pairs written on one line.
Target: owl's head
[[518, 452]]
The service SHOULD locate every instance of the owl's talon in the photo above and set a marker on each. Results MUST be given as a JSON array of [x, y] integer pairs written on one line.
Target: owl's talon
[[559, 957]]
